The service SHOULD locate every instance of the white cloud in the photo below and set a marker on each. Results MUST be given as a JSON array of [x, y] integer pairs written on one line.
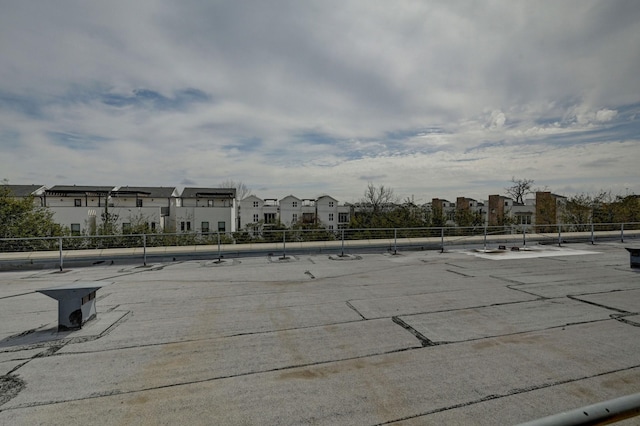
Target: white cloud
[[315, 95], [604, 115]]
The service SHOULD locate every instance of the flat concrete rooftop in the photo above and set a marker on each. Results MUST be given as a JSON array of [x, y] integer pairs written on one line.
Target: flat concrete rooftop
[[418, 338]]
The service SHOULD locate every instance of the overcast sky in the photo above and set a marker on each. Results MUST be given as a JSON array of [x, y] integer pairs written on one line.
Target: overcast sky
[[432, 99]]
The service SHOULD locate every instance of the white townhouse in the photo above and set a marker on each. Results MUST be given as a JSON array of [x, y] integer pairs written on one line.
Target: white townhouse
[[524, 214], [135, 205], [292, 210], [254, 211], [82, 208], [249, 211], [77, 207], [331, 214], [206, 210]]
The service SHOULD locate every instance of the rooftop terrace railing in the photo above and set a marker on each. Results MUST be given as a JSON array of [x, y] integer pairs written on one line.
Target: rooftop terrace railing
[[340, 241]]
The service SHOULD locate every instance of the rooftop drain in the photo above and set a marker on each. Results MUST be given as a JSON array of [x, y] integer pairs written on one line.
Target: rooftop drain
[[76, 303]]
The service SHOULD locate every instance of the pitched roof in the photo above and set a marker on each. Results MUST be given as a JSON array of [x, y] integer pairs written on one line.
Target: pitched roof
[[23, 190]]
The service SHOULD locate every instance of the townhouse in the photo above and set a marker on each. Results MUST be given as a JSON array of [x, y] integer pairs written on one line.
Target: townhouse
[[206, 210], [291, 210], [83, 209]]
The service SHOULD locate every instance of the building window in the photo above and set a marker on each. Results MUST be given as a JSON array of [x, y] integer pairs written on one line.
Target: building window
[[138, 202], [209, 203], [75, 229], [126, 228], [524, 219], [77, 202], [330, 217], [294, 204], [294, 217], [330, 203], [153, 226], [343, 217], [204, 226], [256, 204], [222, 227], [188, 226], [256, 218], [330, 227]]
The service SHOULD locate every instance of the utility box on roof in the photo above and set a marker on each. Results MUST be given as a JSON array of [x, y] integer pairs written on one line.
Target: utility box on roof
[[635, 257], [76, 303]]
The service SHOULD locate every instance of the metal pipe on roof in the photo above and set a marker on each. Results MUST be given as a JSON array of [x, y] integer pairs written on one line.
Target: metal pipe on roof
[[601, 413]]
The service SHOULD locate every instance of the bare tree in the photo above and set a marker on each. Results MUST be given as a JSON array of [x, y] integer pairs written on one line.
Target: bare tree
[[519, 189], [242, 190], [379, 197]]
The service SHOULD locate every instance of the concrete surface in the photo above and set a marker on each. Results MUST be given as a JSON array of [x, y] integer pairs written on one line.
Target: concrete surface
[[418, 338]]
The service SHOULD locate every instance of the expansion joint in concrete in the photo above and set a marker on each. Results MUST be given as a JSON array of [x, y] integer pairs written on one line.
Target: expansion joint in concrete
[[355, 309], [577, 298], [421, 337]]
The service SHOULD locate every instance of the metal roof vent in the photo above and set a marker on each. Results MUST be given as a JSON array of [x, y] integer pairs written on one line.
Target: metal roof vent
[[76, 302], [634, 254]]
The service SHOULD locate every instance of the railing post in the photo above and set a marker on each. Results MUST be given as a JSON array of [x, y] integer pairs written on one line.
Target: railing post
[[485, 237], [524, 235], [592, 241], [144, 249], [342, 253], [442, 240], [219, 254], [284, 244], [559, 235], [395, 241], [622, 232], [60, 249]]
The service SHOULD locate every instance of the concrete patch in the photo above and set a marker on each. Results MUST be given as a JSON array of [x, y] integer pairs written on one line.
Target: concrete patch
[[527, 253], [344, 257], [50, 335], [10, 386]]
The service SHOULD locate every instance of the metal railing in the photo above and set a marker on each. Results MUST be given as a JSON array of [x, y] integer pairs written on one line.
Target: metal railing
[[320, 240]]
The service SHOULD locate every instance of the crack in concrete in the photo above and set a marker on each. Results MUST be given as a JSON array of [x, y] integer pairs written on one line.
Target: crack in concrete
[[512, 392], [620, 318], [459, 273], [538, 296]]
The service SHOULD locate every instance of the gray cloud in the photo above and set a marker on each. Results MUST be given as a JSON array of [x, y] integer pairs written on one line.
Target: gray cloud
[[304, 94]]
